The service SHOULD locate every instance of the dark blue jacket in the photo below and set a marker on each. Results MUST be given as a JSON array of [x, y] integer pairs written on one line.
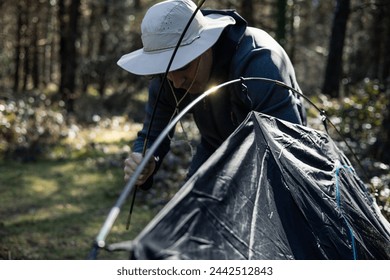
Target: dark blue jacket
[[241, 51]]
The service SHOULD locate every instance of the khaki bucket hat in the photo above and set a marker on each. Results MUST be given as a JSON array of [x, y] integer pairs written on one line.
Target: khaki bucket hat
[[161, 28]]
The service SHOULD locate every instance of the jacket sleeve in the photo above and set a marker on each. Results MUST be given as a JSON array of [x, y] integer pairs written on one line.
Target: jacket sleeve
[[270, 62], [163, 113]]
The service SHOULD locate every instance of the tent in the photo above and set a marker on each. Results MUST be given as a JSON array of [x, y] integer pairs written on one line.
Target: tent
[[273, 190]]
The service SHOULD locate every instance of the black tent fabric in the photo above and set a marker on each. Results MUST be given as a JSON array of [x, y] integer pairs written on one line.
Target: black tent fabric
[[273, 190]]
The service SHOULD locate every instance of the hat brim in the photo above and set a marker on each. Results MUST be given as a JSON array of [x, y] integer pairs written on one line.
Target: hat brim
[[144, 63]]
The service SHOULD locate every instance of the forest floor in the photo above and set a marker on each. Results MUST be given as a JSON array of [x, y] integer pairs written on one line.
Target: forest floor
[[54, 208]]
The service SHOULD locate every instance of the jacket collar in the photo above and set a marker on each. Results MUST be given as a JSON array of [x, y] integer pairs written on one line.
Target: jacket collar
[[225, 47]]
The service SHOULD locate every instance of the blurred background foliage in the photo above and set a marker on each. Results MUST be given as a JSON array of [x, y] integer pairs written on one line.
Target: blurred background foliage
[[65, 105]]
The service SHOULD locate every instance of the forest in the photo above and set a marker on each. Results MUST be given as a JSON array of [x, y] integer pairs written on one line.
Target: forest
[[69, 114]]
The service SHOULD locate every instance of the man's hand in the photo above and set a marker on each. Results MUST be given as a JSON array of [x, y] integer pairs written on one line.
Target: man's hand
[[131, 164]]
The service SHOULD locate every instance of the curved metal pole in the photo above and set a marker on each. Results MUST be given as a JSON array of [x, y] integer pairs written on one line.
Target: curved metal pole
[[115, 210], [113, 214]]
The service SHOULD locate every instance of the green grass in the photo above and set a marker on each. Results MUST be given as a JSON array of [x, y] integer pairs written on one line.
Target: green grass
[[54, 209]]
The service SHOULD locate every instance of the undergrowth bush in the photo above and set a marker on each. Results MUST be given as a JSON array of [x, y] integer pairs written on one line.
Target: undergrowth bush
[[358, 116], [30, 124]]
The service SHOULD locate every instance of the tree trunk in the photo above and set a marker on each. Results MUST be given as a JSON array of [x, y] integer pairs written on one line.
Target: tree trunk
[[47, 49], [333, 73], [137, 5], [376, 39], [292, 41], [102, 49], [385, 75], [35, 60], [18, 48], [26, 45], [68, 51], [247, 11], [26, 67], [282, 21]]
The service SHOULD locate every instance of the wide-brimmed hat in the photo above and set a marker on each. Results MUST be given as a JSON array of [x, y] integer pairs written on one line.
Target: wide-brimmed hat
[[161, 29]]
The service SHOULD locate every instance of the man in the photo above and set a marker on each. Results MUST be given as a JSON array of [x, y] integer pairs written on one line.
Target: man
[[217, 47]]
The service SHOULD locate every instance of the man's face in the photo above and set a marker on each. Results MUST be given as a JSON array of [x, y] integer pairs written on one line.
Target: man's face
[[194, 76]]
